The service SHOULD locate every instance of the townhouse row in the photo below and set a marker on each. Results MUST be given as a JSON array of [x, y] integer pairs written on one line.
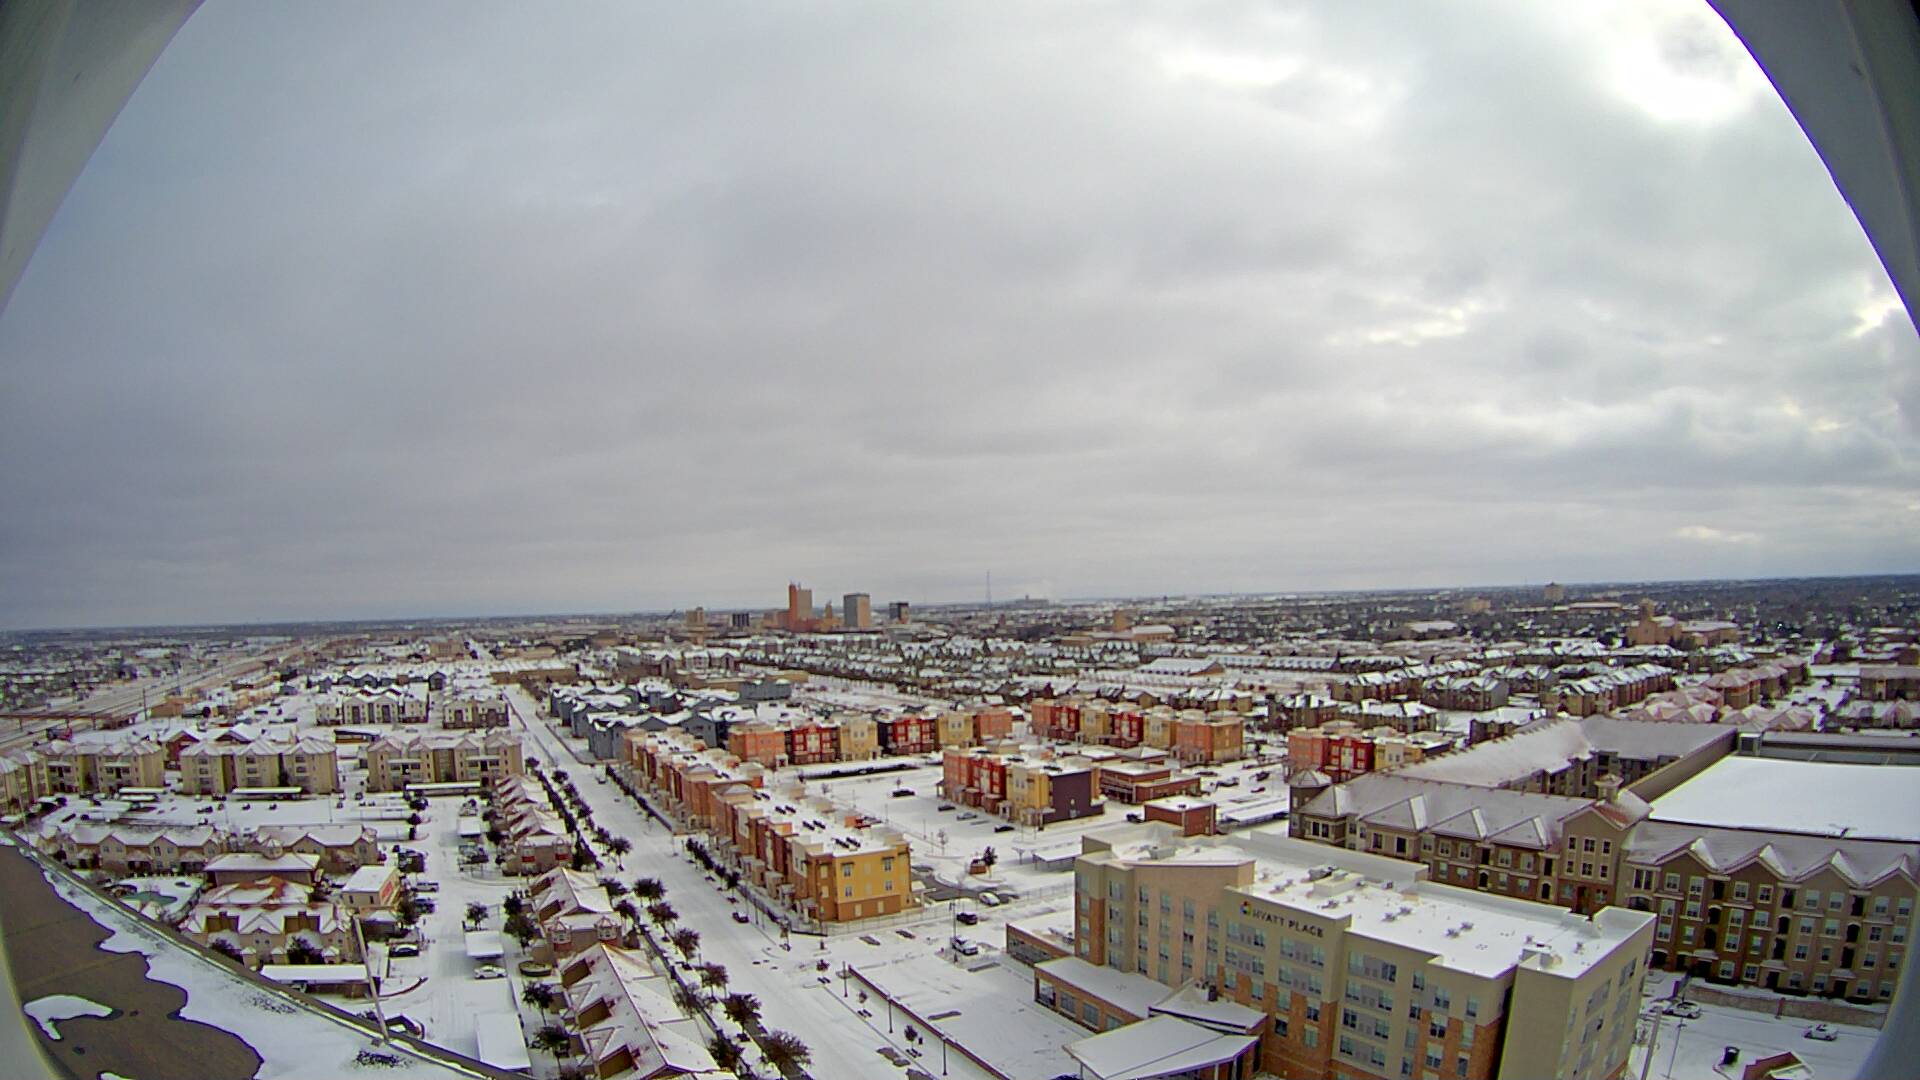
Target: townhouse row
[[822, 863], [1193, 736], [858, 737], [127, 849]]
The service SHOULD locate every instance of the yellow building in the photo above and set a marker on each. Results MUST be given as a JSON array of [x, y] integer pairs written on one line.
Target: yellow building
[[434, 757], [85, 768], [859, 737], [1363, 967]]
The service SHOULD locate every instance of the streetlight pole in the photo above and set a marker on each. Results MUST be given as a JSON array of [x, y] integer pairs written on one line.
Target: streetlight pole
[[1678, 1027]]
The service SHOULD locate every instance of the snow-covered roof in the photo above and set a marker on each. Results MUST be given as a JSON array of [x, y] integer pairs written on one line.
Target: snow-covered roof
[[1814, 798], [1133, 993], [1155, 1047]]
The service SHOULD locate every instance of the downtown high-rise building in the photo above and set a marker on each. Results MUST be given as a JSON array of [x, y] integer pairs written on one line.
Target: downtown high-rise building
[[856, 611]]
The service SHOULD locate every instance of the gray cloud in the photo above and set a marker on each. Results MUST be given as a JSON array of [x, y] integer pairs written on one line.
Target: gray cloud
[[657, 306]]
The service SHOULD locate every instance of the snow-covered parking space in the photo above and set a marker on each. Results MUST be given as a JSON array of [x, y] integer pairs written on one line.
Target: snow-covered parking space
[[1691, 1049]]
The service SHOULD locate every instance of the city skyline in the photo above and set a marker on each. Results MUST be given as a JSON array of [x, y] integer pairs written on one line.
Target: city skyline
[[593, 316]]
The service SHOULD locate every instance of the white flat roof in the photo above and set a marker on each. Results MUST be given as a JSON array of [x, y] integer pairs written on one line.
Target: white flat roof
[[501, 1044], [1160, 1046], [485, 945], [1815, 798], [1134, 993], [368, 878]]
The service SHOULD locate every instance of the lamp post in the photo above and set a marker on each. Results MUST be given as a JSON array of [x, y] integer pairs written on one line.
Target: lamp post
[[1678, 1027]]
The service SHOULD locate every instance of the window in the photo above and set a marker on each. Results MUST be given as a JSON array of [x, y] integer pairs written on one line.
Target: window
[[1672, 884], [1763, 895], [846, 869], [1810, 900], [1739, 890]]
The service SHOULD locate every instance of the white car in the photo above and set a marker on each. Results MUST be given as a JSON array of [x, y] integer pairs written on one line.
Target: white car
[[1823, 1032], [1686, 1010], [991, 899], [966, 948], [489, 971]]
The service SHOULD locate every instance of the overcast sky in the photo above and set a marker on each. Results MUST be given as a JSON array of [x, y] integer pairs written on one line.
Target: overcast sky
[[433, 309]]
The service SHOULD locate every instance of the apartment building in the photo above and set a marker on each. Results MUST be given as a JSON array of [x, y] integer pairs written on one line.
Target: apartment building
[[1361, 967], [903, 735], [23, 779], [1821, 916], [432, 757], [1751, 889], [1465, 693], [1208, 738], [973, 727], [1342, 750], [103, 766], [1302, 710], [686, 775], [1192, 735], [859, 736], [1889, 682], [1551, 848], [384, 705], [1572, 756], [826, 866], [1043, 791], [266, 920], [341, 848], [215, 768], [467, 711], [1606, 691], [1136, 780], [124, 849], [1036, 789]]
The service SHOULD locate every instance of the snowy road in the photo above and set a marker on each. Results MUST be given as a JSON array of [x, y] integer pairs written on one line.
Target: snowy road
[[844, 1044]]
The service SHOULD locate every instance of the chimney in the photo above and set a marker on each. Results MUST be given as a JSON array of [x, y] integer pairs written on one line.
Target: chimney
[[1609, 786]]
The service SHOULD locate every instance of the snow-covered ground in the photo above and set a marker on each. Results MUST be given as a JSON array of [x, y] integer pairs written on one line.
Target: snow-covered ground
[[1691, 1049]]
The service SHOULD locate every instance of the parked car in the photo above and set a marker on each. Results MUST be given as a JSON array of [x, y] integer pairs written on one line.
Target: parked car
[[404, 948], [903, 793], [426, 886], [1686, 1010], [489, 971], [1823, 1032], [991, 899], [741, 917], [1003, 828], [966, 948], [944, 806], [968, 816], [426, 904], [968, 918]]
